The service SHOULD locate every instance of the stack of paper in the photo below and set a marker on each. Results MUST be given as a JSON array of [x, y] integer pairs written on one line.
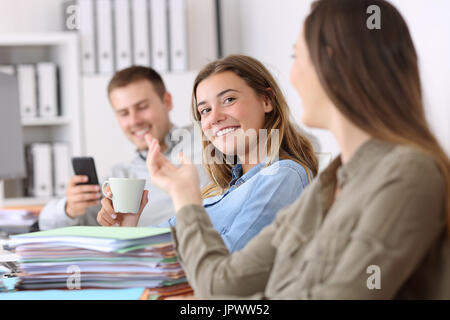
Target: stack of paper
[[96, 257]]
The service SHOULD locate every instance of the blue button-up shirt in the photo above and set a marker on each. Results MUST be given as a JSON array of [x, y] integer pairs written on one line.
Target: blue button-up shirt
[[253, 199]]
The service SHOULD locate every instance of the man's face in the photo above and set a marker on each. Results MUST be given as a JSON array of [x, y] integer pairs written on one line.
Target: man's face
[[139, 110]]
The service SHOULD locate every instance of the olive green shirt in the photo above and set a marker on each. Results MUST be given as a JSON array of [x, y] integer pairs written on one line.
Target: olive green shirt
[[384, 236]]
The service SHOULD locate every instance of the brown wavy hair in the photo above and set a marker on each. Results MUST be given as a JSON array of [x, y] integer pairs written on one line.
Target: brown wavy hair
[[291, 143], [372, 75]]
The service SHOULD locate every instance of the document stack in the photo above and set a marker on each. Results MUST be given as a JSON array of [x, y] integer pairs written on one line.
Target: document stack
[[98, 258]]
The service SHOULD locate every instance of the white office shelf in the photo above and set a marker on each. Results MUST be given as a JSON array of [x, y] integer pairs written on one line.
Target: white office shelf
[[26, 201], [59, 121], [61, 48], [37, 39]]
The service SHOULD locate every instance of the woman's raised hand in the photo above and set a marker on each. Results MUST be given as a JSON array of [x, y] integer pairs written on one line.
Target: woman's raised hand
[[182, 183]]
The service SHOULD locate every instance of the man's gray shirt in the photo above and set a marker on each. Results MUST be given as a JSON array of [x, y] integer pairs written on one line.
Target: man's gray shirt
[[159, 207]]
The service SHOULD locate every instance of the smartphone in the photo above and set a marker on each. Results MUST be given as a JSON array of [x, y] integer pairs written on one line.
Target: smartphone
[[85, 166]]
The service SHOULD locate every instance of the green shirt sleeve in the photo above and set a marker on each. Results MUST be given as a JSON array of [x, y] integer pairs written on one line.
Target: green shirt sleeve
[[210, 268]]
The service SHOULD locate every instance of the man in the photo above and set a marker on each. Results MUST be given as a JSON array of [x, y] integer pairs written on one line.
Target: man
[[141, 104]]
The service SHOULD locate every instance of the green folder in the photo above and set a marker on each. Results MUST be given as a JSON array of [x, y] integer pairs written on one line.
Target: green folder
[[108, 239], [118, 233]]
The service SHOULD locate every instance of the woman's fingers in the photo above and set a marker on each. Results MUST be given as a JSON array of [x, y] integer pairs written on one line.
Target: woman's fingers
[[144, 200], [107, 212], [152, 156], [105, 219], [149, 139], [183, 158], [107, 205]]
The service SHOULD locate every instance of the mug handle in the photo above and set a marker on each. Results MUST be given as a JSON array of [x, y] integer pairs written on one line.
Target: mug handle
[[103, 187]]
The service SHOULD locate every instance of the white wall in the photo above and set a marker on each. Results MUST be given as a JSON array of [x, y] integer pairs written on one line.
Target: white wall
[[269, 29], [31, 15], [429, 24]]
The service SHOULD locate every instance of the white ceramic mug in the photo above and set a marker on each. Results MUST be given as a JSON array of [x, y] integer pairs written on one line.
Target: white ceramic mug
[[126, 193]]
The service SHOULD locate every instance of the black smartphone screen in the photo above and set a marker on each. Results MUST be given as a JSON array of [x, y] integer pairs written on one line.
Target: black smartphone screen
[[85, 166]]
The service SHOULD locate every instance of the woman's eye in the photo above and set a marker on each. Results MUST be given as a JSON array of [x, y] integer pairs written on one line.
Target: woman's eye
[[229, 100], [204, 111], [144, 106]]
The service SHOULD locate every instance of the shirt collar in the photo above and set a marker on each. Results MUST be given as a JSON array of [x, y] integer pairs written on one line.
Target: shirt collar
[[238, 178], [368, 151], [339, 174]]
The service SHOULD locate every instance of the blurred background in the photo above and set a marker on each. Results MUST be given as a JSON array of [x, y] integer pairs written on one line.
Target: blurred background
[[81, 42]]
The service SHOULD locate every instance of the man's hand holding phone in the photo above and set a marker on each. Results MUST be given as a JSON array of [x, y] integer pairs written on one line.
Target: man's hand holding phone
[[81, 196]]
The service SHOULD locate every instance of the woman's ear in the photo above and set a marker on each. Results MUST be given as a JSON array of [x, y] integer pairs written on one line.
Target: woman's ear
[[268, 107]]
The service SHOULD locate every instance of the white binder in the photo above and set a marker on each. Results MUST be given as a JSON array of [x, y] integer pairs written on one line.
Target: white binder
[[47, 89], [141, 33], [177, 25], [122, 29], [26, 77], [87, 36], [61, 167], [104, 36], [201, 20], [159, 35], [42, 170]]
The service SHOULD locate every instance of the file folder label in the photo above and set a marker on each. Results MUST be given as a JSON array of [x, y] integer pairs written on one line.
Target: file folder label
[[105, 36], [122, 33], [47, 89], [178, 48], [141, 34], [87, 36], [26, 75], [42, 173], [159, 35], [61, 167]]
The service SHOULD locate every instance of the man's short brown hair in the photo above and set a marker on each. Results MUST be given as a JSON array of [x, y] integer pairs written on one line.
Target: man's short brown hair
[[132, 74]]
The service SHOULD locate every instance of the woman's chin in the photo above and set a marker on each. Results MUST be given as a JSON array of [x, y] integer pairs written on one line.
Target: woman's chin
[[227, 151]]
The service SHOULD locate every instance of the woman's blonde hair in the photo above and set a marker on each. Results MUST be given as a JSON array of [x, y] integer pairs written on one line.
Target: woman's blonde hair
[[291, 144]]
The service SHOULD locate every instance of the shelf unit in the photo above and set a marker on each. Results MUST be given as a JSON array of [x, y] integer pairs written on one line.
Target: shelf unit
[[87, 121], [61, 48]]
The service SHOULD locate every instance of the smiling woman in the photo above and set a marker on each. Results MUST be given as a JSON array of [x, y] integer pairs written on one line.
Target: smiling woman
[[257, 160], [242, 110]]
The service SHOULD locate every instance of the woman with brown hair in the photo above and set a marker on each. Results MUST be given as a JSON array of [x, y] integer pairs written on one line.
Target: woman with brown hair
[[374, 224], [257, 161]]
